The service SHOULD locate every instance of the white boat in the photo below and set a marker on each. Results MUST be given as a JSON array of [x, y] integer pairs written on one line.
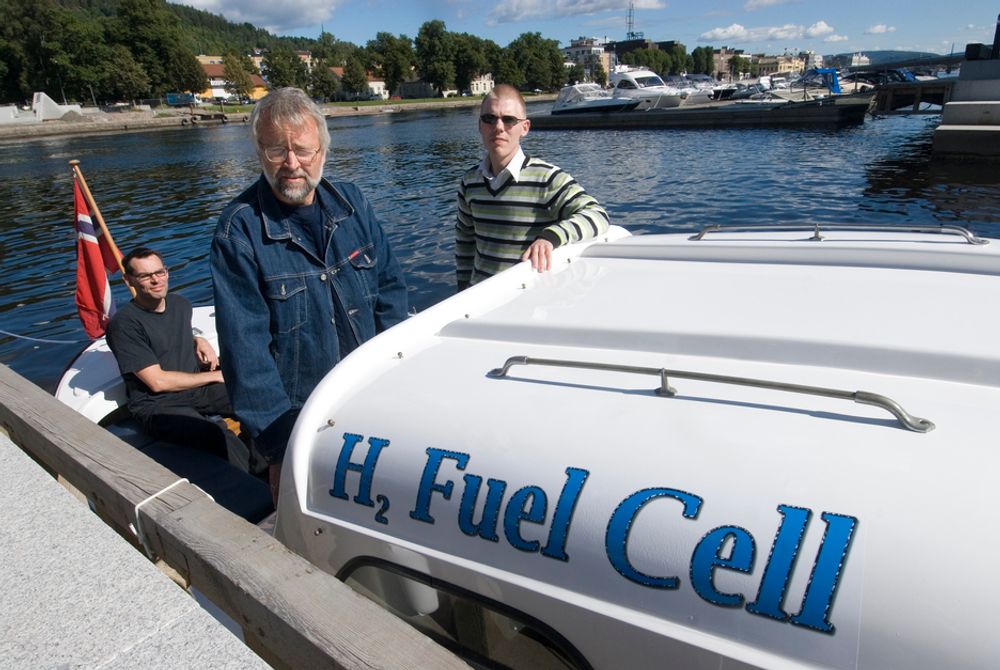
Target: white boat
[[748, 448], [645, 86], [92, 386], [589, 98], [744, 449]]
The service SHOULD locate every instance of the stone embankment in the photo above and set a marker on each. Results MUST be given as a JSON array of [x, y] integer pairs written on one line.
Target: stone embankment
[[95, 123]]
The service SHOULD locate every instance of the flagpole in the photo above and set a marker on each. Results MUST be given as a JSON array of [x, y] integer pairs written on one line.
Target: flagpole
[[78, 175]]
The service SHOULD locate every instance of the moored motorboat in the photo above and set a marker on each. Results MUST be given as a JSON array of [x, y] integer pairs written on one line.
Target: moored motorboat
[[92, 386], [645, 86], [743, 448], [589, 99]]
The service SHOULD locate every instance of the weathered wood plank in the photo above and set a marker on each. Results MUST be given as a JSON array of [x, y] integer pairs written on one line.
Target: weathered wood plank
[[295, 615]]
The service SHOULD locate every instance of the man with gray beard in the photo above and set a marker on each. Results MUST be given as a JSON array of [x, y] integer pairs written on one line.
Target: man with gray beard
[[302, 271]]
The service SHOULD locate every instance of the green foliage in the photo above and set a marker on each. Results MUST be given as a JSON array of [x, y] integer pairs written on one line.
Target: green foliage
[[237, 70], [393, 57], [435, 54], [739, 65], [509, 72], [702, 61], [540, 60], [355, 80], [576, 74], [323, 83], [283, 67], [335, 52], [600, 75], [470, 60]]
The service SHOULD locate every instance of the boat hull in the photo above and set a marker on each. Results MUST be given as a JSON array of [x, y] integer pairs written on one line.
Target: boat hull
[[821, 112]]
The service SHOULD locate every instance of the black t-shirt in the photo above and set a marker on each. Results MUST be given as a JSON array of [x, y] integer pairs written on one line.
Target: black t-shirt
[[139, 339]]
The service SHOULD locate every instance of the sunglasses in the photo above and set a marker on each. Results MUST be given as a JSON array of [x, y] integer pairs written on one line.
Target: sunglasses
[[491, 120]]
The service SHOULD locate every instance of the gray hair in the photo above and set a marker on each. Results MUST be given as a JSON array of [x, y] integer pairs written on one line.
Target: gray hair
[[288, 107]]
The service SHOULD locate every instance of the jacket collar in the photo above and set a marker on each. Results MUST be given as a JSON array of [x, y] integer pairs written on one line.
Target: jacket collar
[[334, 205]]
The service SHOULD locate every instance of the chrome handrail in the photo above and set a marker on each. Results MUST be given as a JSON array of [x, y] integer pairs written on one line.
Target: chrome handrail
[[969, 236], [907, 420]]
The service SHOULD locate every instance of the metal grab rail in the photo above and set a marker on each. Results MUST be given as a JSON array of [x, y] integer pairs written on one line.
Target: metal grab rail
[[907, 420], [969, 236]]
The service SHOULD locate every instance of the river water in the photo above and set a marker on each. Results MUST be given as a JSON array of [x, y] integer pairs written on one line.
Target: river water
[[165, 189]]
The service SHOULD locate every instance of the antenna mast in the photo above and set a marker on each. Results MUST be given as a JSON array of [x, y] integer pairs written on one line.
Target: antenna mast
[[630, 33]]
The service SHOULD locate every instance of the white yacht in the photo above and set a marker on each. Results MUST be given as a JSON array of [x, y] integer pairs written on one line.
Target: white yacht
[[589, 98], [647, 87]]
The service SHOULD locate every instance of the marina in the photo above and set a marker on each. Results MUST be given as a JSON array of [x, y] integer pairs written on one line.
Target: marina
[[168, 197]]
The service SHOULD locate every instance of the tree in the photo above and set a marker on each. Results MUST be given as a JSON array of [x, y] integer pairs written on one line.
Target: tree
[[738, 65], [576, 74], [335, 52], [153, 35], [283, 67], [509, 72], [392, 57], [355, 80], [435, 55], [323, 83], [703, 61], [128, 79], [236, 70], [470, 60], [600, 75], [540, 60]]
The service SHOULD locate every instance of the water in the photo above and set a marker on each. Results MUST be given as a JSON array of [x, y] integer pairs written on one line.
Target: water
[[165, 189]]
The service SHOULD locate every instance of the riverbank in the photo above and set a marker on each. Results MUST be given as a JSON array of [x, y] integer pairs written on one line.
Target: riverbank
[[99, 123]]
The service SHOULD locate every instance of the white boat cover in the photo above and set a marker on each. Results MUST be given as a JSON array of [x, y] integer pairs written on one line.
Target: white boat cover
[[730, 525]]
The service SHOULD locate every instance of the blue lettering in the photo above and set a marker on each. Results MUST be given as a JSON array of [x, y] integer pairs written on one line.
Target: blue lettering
[[527, 504], [826, 573], [487, 527], [620, 525], [367, 469], [555, 546], [778, 571], [428, 482], [707, 557]]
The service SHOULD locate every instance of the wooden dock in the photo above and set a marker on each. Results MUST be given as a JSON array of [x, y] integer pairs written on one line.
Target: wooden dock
[[292, 614], [909, 96]]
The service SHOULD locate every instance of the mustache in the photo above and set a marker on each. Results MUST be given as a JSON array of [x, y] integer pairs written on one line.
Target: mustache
[[283, 172]]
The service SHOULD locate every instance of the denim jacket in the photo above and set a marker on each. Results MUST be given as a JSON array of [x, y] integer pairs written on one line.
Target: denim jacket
[[277, 302]]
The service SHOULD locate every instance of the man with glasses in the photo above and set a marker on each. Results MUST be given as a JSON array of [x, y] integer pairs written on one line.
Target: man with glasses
[[303, 273], [174, 385], [514, 207]]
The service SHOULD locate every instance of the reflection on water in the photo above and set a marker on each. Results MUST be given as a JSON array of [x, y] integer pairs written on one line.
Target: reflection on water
[[165, 189]]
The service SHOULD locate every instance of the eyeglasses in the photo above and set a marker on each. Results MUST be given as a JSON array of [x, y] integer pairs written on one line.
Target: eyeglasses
[[491, 120], [146, 276], [280, 154]]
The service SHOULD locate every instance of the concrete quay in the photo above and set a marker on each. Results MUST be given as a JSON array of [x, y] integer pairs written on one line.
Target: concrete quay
[[80, 596], [970, 123]]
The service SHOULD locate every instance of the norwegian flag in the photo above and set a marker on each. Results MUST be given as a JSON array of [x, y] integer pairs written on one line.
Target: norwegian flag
[[94, 259]]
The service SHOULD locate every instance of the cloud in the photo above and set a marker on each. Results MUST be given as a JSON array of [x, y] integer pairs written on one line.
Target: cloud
[[836, 38], [752, 5], [520, 10], [880, 29], [789, 31], [270, 15], [818, 29]]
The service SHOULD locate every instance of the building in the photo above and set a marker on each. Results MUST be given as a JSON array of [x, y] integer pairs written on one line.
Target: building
[[720, 61], [590, 52], [481, 85], [217, 83]]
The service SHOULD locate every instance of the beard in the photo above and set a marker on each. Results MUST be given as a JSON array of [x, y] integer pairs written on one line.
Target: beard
[[295, 194]]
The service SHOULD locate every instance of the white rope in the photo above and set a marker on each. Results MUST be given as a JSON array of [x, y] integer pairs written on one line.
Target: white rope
[[36, 339], [136, 528]]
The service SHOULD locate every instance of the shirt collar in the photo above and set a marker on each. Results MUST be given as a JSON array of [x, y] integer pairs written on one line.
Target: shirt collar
[[513, 167]]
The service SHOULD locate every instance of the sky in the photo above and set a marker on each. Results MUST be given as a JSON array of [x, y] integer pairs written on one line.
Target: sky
[[757, 26]]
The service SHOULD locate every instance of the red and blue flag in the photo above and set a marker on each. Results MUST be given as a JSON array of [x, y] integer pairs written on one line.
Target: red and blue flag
[[94, 260]]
